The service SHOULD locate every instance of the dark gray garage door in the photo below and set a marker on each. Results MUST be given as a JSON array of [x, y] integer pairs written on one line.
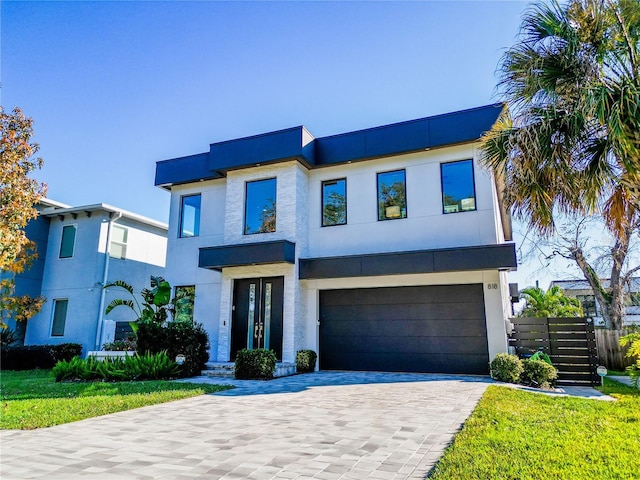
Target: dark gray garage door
[[404, 329]]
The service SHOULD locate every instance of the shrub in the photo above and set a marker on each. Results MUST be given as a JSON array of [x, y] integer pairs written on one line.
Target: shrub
[[27, 357], [306, 361], [538, 373], [506, 368], [7, 337], [66, 351], [258, 364], [127, 345], [179, 337], [138, 367]]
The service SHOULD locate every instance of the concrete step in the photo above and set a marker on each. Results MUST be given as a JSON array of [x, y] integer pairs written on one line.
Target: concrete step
[[225, 369]]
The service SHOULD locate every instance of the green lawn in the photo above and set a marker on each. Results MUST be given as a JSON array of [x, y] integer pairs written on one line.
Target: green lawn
[[32, 398], [513, 434]]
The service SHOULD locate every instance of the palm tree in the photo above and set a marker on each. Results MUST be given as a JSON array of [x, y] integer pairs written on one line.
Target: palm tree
[[551, 303], [568, 140]]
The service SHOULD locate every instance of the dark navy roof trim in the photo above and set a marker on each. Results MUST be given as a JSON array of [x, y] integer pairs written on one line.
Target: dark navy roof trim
[[298, 144]]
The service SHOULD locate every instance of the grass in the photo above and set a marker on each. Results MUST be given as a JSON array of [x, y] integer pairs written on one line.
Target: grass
[[32, 398], [513, 434], [618, 373]]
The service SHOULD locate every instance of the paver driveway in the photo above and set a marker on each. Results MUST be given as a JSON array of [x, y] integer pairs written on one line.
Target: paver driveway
[[327, 425]]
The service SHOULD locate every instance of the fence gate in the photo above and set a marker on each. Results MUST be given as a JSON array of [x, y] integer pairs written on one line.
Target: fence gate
[[570, 342]]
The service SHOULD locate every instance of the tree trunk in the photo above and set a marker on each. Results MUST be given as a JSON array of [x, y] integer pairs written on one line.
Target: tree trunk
[[594, 281]]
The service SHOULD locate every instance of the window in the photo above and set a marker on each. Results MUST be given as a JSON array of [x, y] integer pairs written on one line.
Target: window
[[68, 241], [59, 317], [392, 201], [334, 202], [190, 216], [118, 242], [588, 303], [260, 207], [458, 191], [183, 302]]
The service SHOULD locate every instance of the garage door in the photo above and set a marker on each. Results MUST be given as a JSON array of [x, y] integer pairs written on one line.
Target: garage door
[[404, 329]]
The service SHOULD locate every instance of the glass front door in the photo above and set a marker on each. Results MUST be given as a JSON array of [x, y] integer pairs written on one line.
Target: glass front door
[[257, 315]]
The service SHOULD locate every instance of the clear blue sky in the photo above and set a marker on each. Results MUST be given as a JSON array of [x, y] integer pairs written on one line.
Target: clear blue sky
[[114, 87]]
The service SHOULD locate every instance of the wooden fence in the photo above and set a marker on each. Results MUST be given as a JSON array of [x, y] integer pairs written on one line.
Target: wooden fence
[[570, 342], [610, 353]]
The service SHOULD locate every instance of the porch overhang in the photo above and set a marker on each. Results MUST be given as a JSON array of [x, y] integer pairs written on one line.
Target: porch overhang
[[237, 255], [484, 257]]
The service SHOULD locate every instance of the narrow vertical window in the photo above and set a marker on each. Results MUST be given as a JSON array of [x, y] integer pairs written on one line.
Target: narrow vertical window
[[334, 202], [458, 190], [118, 247], [59, 317], [190, 216], [68, 241], [392, 200], [183, 303], [260, 207]]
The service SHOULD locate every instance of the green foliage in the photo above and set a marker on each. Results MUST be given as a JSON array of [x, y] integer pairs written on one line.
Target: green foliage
[[32, 399], [542, 357], [633, 341], [257, 364], [186, 338], [65, 351], [306, 361], [506, 368], [7, 337], [538, 373], [514, 434], [156, 301], [137, 367], [28, 357], [551, 303], [128, 345]]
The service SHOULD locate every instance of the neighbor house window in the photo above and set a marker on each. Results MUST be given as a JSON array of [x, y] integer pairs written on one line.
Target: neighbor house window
[[392, 198], [183, 303], [68, 241], [59, 317], [334, 202], [190, 216], [118, 247], [588, 303], [458, 191], [260, 207]]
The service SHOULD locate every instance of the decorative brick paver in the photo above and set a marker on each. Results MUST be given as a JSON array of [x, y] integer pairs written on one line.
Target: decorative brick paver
[[326, 425]]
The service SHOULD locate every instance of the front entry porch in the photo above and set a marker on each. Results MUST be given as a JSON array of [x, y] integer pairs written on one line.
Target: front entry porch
[[225, 369]]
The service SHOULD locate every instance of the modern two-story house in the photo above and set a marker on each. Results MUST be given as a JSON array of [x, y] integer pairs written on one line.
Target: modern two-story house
[[381, 249], [80, 249]]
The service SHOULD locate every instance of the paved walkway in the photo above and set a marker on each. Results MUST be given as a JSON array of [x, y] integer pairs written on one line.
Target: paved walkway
[[326, 425]]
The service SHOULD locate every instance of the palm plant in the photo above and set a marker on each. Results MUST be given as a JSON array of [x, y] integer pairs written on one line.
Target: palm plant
[[156, 301], [569, 139], [551, 303]]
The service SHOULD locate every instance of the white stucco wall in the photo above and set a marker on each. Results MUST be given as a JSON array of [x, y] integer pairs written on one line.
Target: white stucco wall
[[79, 278]]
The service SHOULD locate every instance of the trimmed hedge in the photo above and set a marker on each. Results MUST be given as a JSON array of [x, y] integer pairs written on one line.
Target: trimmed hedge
[[258, 364], [506, 368], [538, 373], [178, 337], [30, 357], [306, 361]]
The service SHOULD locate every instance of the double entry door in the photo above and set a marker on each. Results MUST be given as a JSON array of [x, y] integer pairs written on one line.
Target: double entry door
[[257, 314]]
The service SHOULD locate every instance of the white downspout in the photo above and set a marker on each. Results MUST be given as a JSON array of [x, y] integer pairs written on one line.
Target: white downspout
[[103, 291]]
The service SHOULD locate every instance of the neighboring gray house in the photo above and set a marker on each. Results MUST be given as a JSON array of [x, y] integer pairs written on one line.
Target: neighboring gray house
[[80, 249], [380, 249], [581, 290]]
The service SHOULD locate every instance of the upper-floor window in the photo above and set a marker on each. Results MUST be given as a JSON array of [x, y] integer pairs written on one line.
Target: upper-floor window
[[68, 241], [588, 303], [118, 248], [334, 202], [190, 216], [392, 198], [183, 303], [458, 190], [260, 206], [59, 317]]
